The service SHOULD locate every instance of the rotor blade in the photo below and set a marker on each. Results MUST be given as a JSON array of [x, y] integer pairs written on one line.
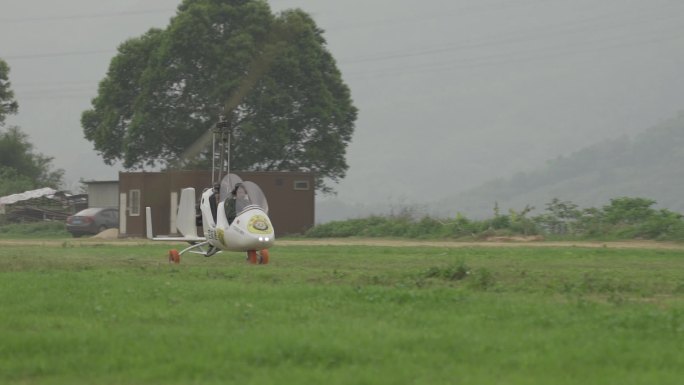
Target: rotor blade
[[196, 147], [258, 68]]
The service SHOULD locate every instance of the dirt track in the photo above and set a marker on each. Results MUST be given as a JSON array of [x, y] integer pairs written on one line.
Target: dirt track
[[367, 242], [412, 243]]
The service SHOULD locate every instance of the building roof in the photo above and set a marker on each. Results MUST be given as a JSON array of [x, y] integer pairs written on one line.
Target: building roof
[[26, 195], [101, 182]]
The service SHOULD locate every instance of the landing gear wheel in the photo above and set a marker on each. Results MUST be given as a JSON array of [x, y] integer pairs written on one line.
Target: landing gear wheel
[[174, 257], [252, 257], [263, 257]]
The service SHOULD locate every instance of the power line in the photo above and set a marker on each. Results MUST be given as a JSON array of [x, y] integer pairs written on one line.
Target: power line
[[82, 16], [595, 22], [438, 67], [506, 58], [427, 17], [59, 97], [527, 35], [57, 54], [58, 83]]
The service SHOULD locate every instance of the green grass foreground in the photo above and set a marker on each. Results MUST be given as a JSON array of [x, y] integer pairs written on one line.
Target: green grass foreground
[[101, 313]]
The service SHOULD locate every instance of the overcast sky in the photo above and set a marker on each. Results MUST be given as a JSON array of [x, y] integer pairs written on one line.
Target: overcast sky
[[451, 93]]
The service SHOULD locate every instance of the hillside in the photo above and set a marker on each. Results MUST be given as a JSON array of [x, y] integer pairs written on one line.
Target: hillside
[[650, 165]]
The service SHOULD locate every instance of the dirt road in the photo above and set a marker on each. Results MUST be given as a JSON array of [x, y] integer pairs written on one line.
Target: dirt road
[[454, 244], [365, 242]]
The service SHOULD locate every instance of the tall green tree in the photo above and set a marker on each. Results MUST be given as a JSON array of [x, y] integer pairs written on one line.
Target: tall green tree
[[7, 103], [166, 88], [21, 168]]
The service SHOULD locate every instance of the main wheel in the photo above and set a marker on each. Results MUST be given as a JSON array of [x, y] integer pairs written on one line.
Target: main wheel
[[263, 257], [252, 257], [174, 257]]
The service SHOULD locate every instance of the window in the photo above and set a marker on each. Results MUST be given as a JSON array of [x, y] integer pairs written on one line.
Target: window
[[134, 199], [301, 185]]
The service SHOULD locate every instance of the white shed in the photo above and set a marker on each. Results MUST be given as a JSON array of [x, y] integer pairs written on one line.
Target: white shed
[[103, 193]]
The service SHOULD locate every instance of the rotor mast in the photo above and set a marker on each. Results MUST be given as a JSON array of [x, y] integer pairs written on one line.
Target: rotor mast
[[220, 160]]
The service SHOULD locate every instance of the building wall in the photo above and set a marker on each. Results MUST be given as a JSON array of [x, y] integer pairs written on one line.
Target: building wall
[[291, 209], [103, 194], [291, 197]]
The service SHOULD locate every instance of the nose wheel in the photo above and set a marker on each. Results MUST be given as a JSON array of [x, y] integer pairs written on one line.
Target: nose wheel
[[174, 256], [260, 257]]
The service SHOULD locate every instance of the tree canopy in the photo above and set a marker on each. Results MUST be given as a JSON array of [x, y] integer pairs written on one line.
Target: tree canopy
[[21, 168], [166, 88], [7, 103]]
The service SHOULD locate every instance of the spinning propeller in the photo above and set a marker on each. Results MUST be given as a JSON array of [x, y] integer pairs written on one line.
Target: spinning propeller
[[255, 71]]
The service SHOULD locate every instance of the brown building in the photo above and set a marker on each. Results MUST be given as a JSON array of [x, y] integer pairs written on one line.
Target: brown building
[[290, 199]]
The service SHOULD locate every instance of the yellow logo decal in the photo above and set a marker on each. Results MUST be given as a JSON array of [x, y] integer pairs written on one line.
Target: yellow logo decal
[[220, 237], [258, 224]]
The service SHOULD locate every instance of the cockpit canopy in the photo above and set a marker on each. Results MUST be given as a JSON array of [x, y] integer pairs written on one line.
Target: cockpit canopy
[[248, 193], [228, 184]]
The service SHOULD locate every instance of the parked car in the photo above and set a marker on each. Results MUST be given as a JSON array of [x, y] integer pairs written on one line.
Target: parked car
[[92, 220]]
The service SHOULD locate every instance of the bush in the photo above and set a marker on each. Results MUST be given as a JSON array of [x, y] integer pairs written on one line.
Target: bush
[[624, 218], [34, 230], [454, 272], [663, 225]]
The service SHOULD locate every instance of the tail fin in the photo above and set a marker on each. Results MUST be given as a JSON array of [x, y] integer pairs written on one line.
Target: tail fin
[[185, 222]]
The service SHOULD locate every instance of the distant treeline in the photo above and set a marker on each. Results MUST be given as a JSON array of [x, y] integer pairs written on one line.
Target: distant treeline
[[623, 218]]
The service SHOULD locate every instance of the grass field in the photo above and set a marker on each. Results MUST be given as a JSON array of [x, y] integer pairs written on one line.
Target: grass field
[[117, 313]]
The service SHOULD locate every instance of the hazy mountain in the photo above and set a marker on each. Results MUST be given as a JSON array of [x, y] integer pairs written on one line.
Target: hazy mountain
[[650, 165]]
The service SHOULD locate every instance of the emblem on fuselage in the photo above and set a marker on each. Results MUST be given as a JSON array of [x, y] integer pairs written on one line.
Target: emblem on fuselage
[[258, 224]]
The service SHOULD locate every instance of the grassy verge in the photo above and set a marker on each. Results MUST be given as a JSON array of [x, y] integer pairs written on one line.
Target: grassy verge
[[94, 313], [34, 230]]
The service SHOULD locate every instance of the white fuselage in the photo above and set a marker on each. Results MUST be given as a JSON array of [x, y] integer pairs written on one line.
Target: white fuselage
[[250, 230]]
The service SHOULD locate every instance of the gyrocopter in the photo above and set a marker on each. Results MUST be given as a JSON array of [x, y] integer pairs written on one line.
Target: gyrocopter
[[234, 212]]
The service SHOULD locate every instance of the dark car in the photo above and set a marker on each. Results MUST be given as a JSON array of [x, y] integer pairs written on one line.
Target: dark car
[[92, 221]]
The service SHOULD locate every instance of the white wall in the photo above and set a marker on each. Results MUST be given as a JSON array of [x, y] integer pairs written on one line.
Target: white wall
[[103, 194]]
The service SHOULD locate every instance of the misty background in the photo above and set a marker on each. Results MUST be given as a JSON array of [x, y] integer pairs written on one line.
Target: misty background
[[456, 98]]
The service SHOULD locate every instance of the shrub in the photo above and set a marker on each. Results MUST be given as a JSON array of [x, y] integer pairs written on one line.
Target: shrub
[[454, 272], [35, 229], [624, 218]]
